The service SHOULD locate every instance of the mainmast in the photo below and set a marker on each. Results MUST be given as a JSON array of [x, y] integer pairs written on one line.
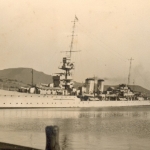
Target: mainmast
[[129, 70]]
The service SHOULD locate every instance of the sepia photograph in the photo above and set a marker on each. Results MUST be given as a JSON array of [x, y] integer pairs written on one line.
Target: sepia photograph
[[74, 75]]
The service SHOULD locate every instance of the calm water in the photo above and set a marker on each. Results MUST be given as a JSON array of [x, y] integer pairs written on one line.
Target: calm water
[[80, 129]]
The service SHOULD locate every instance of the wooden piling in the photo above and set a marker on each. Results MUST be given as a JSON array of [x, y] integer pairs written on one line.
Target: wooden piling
[[52, 138]]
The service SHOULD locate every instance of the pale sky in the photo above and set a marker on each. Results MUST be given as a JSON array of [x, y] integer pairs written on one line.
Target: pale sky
[[109, 32]]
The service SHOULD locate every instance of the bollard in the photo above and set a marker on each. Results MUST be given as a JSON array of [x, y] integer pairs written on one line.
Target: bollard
[[52, 138]]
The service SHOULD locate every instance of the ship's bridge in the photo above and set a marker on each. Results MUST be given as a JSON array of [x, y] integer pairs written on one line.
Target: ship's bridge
[[66, 64]]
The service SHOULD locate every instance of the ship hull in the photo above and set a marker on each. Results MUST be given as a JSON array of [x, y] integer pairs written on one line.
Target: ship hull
[[45, 101]]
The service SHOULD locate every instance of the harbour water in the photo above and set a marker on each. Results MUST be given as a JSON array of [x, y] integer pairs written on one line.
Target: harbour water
[[124, 128]]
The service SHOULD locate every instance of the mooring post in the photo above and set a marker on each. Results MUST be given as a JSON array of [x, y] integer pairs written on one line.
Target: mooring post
[[52, 138]]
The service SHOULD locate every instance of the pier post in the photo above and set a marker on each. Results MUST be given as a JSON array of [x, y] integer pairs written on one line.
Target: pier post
[[52, 138]]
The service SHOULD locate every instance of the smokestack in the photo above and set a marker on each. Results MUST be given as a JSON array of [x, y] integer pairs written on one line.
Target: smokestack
[[89, 85], [100, 86]]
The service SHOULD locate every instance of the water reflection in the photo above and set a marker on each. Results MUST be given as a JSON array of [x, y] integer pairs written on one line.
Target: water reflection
[[80, 129], [64, 113]]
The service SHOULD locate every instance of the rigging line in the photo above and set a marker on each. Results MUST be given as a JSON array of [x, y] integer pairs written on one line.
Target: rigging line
[[113, 67], [117, 69], [104, 47], [110, 53], [110, 49], [102, 42]]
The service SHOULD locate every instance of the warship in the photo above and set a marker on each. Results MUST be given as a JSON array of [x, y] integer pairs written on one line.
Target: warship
[[62, 94]]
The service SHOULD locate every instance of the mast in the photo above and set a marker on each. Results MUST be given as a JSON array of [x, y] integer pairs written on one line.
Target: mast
[[71, 47], [73, 30], [32, 78], [67, 64], [72, 35], [129, 70]]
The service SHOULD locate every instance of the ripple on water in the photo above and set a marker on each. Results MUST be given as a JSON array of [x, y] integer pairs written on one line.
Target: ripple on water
[[79, 130]]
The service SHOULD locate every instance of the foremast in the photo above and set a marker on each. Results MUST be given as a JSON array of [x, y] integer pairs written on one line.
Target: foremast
[[65, 80]]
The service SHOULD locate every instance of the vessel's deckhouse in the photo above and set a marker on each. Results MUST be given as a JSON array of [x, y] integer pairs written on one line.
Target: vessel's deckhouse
[[64, 80]]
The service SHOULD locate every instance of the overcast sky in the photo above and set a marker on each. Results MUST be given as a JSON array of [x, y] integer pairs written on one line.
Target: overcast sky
[[109, 32]]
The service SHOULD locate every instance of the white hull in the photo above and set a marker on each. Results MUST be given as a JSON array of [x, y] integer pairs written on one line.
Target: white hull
[[58, 101]]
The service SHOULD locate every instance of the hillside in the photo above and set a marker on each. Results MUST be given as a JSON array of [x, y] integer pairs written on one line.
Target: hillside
[[16, 77], [24, 75]]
